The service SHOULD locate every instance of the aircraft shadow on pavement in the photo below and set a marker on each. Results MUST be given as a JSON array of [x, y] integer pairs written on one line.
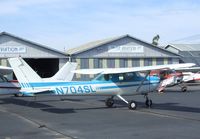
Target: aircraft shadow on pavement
[[61, 99], [70, 110], [59, 110], [163, 106], [118, 104], [23, 102]]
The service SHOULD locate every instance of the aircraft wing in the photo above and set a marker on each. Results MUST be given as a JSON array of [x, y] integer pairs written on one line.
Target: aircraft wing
[[189, 69], [132, 69], [5, 70]]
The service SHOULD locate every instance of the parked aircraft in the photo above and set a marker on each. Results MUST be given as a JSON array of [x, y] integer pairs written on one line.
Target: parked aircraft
[[7, 86], [13, 87], [171, 78], [109, 82]]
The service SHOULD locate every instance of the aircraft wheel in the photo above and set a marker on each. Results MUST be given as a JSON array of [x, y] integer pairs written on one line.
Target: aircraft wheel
[[109, 102], [148, 103], [18, 95], [184, 89], [132, 105]]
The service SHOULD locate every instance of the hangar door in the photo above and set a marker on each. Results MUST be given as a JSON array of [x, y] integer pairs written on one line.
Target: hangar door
[[44, 67]]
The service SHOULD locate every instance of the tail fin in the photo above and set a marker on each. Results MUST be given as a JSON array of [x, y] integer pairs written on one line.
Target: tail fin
[[65, 74], [24, 73]]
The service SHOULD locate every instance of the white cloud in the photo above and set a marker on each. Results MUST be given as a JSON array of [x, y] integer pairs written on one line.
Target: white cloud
[[14, 6]]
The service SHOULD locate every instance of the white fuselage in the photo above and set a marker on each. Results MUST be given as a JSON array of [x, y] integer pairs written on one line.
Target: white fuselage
[[96, 87]]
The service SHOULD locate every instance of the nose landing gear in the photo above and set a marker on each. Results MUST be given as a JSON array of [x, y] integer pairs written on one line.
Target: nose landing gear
[[109, 102]]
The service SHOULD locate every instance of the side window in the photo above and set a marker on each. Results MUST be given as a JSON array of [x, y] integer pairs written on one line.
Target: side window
[[128, 76], [106, 77], [3, 79], [121, 77]]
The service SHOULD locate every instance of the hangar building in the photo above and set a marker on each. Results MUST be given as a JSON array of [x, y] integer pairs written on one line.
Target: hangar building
[[188, 49], [122, 51], [46, 61]]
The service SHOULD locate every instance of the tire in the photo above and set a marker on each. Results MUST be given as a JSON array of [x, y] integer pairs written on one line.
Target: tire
[[18, 95], [132, 105], [184, 89], [109, 102], [148, 103]]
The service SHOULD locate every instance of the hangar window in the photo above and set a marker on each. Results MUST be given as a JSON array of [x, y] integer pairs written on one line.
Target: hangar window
[[84, 63], [98, 63], [147, 62], [126, 63], [111, 63], [160, 61], [169, 60], [122, 63], [136, 62]]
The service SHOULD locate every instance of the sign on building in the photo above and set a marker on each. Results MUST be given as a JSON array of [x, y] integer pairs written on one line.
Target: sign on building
[[12, 49], [126, 49]]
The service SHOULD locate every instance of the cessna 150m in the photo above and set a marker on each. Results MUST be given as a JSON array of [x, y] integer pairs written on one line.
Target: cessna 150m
[[109, 82]]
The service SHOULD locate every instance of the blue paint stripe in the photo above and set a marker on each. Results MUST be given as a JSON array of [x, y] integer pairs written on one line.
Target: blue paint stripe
[[39, 84]]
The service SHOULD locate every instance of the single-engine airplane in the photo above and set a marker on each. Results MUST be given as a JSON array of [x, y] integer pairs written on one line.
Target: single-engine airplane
[[178, 77], [109, 82]]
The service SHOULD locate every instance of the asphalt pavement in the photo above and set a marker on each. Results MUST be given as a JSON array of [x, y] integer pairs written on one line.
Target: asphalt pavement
[[173, 115]]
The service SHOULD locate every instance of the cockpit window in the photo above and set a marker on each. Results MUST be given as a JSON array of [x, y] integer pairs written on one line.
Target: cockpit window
[[119, 77], [3, 79]]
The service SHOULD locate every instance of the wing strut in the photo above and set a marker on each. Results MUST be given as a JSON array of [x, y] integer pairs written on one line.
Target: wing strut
[[148, 72]]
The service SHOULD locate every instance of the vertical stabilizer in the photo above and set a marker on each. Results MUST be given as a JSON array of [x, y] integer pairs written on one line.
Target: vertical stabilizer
[[65, 74], [24, 73]]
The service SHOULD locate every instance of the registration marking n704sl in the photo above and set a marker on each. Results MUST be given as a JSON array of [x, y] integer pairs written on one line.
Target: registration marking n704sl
[[75, 89]]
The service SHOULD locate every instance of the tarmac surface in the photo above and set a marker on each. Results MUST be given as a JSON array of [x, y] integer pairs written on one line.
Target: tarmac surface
[[174, 115]]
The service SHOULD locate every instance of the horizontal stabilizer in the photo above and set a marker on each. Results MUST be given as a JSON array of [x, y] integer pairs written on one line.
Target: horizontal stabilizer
[[65, 74]]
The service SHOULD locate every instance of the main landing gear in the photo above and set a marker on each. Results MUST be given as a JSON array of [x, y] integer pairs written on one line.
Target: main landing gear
[[148, 101], [183, 86], [184, 89], [18, 95], [131, 105]]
